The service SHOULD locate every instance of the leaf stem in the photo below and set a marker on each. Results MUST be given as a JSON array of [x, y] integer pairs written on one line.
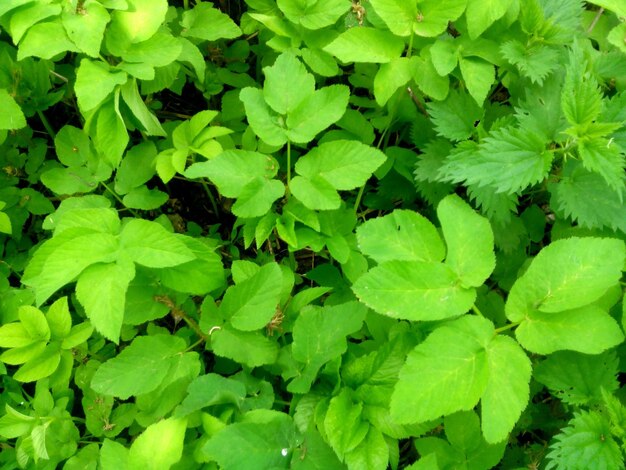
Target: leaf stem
[[359, 196], [595, 20], [288, 169], [119, 199], [208, 192], [185, 4], [506, 327], [477, 311], [46, 124]]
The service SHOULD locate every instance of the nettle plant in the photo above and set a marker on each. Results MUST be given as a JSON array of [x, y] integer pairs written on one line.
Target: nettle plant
[[312, 234]]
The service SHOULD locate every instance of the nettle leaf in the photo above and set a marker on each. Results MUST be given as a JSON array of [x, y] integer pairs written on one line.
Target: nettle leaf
[[85, 26], [535, 61], [401, 235], [337, 165], [602, 156], [159, 446], [510, 160], [149, 244], [365, 44], [447, 372], [588, 329], [414, 290], [578, 379], [481, 14], [565, 275], [207, 23], [425, 18], [244, 175], [125, 375], [456, 117], [320, 335], [60, 260], [586, 198], [469, 239], [507, 391], [587, 442], [101, 289], [313, 14], [12, 116], [251, 304]]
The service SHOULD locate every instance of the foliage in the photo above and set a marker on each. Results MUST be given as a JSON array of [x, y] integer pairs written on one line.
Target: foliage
[[312, 234]]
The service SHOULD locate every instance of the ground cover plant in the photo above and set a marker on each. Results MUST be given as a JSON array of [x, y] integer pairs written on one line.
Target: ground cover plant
[[312, 234]]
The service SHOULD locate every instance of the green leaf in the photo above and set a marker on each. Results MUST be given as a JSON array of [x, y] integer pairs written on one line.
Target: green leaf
[[414, 290], [428, 80], [401, 235], [313, 14], [14, 335], [144, 198], [59, 319], [101, 289], [251, 304], [95, 81], [111, 136], [343, 425], [510, 160], [85, 27], [137, 167], [565, 275], [399, 15], [581, 98], [469, 239], [12, 116], [149, 244], [428, 18], [588, 329], [507, 391], [207, 23], [209, 390], [372, 452], [158, 51], [481, 14], [319, 335], [478, 76], [345, 164], [605, 158], [251, 348], [42, 365], [587, 442], [257, 197], [45, 40], [365, 44], [139, 368], [34, 322], [60, 260], [132, 99], [141, 20], [283, 99], [315, 193], [113, 455], [456, 117], [392, 76], [263, 120], [317, 112], [159, 446], [535, 61], [578, 379], [447, 372], [253, 444]]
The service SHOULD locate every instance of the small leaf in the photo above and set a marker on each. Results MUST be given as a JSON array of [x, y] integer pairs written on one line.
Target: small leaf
[[209, 390], [41, 366], [207, 23], [315, 193], [12, 116], [479, 75], [481, 14], [283, 99], [139, 368], [95, 81], [141, 20], [366, 44], [251, 348], [266, 123], [343, 425], [313, 14], [86, 26], [159, 446]]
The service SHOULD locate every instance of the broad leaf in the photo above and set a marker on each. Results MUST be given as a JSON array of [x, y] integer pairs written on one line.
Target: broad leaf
[[207, 23], [86, 26], [266, 124], [456, 117], [481, 14], [565, 275], [287, 69], [478, 75], [366, 44], [95, 81], [313, 14], [414, 290], [159, 446], [251, 304], [402, 235], [211, 389], [343, 425], [12, 116], [447, 372], [315, 193], [139, 368], [469, 239], [141, 20], [251, 348], [149, 244]]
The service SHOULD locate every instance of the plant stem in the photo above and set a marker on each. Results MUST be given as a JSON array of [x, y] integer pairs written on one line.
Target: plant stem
[[208, 192], [359, 196], [595, 20], [476, 310], [185, 4], [506, 327], [46, 124], [119, 199], [288, 169]]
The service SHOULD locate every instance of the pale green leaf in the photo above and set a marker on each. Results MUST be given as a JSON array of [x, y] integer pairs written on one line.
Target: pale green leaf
[[469, 239], [251, 304], [478, 76], [141, 20], [343, 425], [456, 117], [414, 290], [345, 164], [139, 368], [313, 14], [158, 51], [144, 198], [481, 14], [317, 112], [45, 40], [149, 244], [402, 235], [433, 16], [209, 390], [602, 156], [27, 16], [257, 196], [315, 193], [265, 123], [59, 318], [371, 453], [398, 15], [507, 391], [132, 98], [85, 27], [287, 69], [251, 348], [12, 116], [565, 275], [113, 455], [391, 76], [588, 329], [34, 322], [366, 44], [111, 136], [207, 23], [40, 366], [159, 446], [101, 289], [94, 82], [445, 373]]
